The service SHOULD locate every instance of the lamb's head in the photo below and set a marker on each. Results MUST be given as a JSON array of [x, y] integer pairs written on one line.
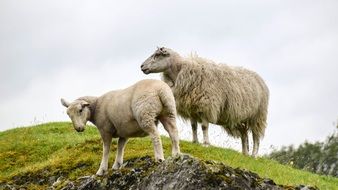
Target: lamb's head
[[79, 113], [159, 61]]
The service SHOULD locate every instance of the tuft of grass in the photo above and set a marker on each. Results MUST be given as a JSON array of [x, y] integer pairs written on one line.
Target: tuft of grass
[[56, 148]]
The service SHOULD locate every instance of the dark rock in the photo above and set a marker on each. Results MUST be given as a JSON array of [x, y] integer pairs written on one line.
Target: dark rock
[[7, 187], [303, 187], [68, 185]]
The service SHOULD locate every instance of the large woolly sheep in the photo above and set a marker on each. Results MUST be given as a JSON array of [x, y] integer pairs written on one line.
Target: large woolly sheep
[[233, 97], [131, 112]]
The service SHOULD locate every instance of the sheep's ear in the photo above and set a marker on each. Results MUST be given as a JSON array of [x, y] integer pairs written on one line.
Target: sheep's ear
[[164, 51], [64, 103]]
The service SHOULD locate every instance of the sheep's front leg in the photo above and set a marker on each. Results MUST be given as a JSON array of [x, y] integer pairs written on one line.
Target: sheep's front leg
[[103, 170], [194, 131], [245, 142], [205, 127], [170, 126], [121, 143]]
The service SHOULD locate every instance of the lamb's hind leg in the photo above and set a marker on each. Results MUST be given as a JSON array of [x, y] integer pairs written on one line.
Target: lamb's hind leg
[[106, 138], [157, 143], [170, 126], [148, 125], [121, 143], [205, 128], [194, 131]]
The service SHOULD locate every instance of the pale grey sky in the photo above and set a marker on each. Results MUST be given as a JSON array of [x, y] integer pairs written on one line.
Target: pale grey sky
[[54, 49]]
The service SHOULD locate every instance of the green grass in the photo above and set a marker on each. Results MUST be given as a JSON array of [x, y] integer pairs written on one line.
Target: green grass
[[58, 148]]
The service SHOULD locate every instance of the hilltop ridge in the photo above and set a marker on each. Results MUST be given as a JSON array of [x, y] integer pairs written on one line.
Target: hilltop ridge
[[39, 156]]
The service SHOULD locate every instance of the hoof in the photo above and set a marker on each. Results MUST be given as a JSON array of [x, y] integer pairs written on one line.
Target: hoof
[[159, 160], [245, 154], [101, 172], [206, 144], [117, 166], [176, 154]]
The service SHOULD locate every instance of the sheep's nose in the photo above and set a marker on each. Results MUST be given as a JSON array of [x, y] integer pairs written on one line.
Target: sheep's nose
[[142, 66]]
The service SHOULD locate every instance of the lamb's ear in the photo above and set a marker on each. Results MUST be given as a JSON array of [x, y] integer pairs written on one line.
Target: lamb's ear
[[84, 104], [64, 103]]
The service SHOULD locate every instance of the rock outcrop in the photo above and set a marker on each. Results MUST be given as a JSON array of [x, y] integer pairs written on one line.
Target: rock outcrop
[[183, 172]]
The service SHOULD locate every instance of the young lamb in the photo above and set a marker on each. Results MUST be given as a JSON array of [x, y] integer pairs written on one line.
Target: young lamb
[[233, 97], [131, 112]]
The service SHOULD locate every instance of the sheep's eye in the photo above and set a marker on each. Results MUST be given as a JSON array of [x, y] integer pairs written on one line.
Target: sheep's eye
[[80, 111], [157, 54]]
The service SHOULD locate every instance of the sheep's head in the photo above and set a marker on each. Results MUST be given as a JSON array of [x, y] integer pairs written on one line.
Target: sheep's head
[[79, 113], [159, 61]]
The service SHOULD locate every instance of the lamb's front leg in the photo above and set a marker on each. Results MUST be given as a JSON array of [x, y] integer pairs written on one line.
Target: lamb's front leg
[[106, 138], [121, 143]]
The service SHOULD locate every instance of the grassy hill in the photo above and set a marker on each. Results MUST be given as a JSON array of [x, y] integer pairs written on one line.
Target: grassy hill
[[56, 148]]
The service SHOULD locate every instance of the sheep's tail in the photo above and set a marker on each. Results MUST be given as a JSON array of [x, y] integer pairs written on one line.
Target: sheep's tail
[[168, 101]]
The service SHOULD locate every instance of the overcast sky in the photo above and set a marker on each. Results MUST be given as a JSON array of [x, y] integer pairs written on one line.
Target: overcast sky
[[54, 49]]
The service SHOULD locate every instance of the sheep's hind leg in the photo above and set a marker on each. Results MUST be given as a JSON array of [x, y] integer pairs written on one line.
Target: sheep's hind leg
[[170, 126], [194, 131], [255, 138], [205, 127], [121, 143], [106, 138]]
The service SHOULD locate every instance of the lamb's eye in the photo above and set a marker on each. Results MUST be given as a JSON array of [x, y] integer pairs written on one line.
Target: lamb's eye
[[80, 111]]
